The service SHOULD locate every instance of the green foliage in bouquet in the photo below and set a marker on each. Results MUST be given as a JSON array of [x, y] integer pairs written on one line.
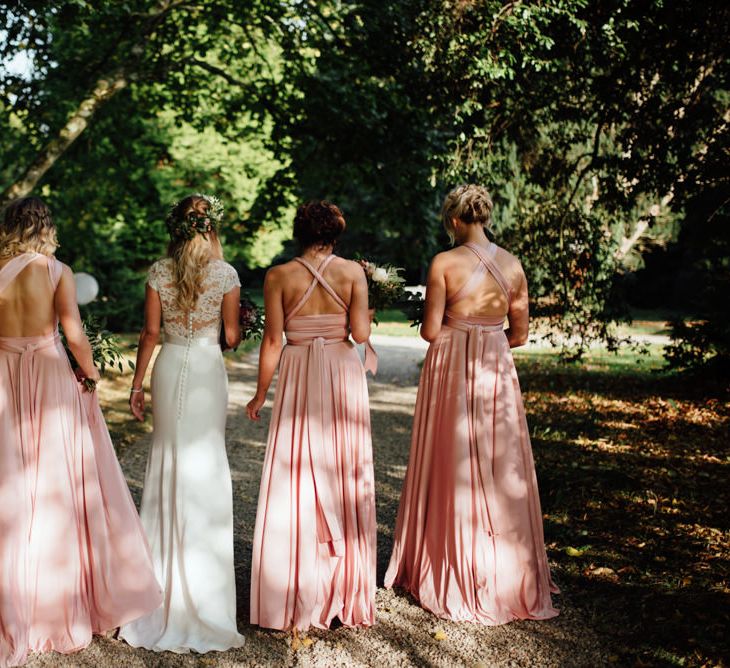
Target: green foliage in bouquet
[[385, 285], [413, 305], [251, 318], [105, 349]]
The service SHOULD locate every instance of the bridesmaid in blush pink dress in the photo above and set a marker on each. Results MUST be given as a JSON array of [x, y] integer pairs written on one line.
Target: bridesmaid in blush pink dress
[[468, 539], [73, 556], [315, 537]]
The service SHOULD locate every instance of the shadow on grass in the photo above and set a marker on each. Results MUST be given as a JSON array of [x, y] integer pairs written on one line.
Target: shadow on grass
[[633, 471]]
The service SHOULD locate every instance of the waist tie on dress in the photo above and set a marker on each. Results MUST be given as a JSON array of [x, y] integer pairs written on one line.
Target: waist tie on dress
[[321, 442], [477, 328], [188, 342], [26, 351], [371, 358]]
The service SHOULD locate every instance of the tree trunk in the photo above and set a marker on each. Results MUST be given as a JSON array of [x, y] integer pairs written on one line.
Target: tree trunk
[[105, 88]]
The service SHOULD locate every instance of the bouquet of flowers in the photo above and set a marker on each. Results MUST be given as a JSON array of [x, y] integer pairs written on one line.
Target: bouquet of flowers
[[413, 305], [385, 284], [105, 350], [250, 320]]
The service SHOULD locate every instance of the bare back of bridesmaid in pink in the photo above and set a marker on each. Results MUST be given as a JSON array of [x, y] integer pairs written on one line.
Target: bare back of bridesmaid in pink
[[73, 557], [468, 540], [315, 537]]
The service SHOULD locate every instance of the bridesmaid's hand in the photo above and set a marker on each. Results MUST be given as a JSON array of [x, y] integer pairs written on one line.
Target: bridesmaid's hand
[[81, 375], [254, 406], [136, 404]]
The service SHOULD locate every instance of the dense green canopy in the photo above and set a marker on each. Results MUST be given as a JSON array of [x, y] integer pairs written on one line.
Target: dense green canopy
[[600, 128]]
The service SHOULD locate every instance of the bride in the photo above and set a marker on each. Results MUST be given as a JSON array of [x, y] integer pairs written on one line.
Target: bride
[[187, 502]]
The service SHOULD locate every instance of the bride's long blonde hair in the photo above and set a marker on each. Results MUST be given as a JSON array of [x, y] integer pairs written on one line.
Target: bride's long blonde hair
[[190, 257]]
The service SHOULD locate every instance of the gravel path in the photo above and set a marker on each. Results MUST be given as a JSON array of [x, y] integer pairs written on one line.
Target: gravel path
[[405, 635]]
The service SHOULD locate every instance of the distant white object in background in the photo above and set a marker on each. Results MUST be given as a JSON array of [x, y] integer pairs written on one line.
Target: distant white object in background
[[87, 288], [416, 289]]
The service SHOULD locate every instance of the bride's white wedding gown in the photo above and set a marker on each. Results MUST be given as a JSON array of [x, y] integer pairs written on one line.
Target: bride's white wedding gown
[[187, 501]]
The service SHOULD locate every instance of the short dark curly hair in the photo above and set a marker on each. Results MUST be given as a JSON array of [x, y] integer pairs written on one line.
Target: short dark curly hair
[[318, 223]]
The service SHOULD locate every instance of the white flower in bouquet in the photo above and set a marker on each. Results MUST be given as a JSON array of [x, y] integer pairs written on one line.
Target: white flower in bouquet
[[380, 275], [385, 284]]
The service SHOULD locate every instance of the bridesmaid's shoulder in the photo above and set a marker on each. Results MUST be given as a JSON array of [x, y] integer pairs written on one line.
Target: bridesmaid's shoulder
[[65, 269], [42, 262], [508, 261], [351, 268], [277, 272], [447, 258]]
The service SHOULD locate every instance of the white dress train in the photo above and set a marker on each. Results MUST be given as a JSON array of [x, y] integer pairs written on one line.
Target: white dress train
[[187, 509]]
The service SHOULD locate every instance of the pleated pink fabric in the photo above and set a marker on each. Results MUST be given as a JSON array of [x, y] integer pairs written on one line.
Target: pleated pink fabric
[[469, 540], [315, 536], [73, 557]]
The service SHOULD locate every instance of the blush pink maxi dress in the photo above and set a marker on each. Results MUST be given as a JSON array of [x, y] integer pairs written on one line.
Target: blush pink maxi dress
[[469, 540], [73, 556], [315, 537]]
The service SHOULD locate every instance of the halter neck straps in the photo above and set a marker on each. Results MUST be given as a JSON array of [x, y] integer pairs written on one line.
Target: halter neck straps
[[16, 264], [317, 278], [486, 263]]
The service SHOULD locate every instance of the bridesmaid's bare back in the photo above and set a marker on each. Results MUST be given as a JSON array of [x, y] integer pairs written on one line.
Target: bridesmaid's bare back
[[458, 266], [295, 278], [27, 304]]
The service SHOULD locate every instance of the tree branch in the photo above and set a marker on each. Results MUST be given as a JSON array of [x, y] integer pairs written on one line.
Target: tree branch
[[502, 14], [234, 81], [105, 87], [103, 91]]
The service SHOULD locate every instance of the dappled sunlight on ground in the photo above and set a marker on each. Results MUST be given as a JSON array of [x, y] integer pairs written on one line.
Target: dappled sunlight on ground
[[632, 468]]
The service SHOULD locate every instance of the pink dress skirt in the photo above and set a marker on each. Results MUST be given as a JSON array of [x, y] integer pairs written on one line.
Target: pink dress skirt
[[74, 560], [315, 536], [468, 539]]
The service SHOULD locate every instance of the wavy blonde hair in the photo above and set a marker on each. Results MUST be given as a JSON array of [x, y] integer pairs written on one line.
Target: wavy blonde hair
[[27, 226], [190, 257], [471, 204]]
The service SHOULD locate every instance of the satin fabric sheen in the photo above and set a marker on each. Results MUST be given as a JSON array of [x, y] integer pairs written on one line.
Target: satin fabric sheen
[[315, 535], [187, 504], [469, 540], [73, 556]]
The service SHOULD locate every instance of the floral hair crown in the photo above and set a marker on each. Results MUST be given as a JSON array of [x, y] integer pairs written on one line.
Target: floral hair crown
[[187, 226]]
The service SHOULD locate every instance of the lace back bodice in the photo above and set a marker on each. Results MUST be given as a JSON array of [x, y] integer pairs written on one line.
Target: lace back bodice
[[205, 319]]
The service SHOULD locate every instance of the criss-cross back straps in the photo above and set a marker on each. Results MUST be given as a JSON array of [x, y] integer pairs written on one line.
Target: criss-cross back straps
[[486, 263], [11, 270], [316, 278]]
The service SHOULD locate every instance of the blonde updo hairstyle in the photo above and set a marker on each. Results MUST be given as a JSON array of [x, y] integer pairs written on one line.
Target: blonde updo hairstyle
[[27, 226], [471, 204], [190, 257]]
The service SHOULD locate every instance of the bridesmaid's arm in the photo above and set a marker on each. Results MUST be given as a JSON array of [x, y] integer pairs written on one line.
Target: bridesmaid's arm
[[518, 315], [68, 314], [271, 342], [148, 338], [359, 316], [435, 305], [229, 311]]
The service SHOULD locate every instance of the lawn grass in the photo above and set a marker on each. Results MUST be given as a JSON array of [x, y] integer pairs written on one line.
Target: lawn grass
[[633, 466]]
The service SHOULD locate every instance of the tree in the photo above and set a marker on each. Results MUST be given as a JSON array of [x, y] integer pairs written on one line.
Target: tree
[[174, 127], [587, 120]]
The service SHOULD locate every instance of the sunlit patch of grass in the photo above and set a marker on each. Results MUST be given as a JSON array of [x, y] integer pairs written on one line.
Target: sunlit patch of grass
[[631, 462]]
